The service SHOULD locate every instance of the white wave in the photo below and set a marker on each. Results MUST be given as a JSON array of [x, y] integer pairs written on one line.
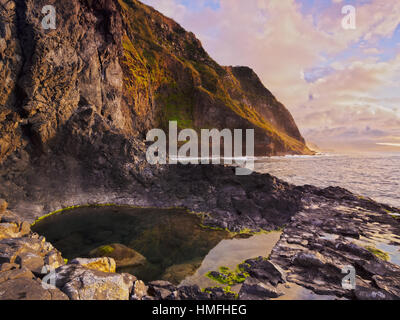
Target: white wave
[[389, 144]]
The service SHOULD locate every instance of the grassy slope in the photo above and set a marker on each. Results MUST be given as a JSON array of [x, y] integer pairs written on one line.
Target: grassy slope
[[160, 55]]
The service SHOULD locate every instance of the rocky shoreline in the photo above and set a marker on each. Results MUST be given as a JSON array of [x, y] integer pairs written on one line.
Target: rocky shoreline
[[75, 108], [335, 229], [324, 234], [28, 262]]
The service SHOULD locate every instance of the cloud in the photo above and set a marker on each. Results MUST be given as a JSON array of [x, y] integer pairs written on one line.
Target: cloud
[[389, 144], [354, 96], [170, 8], [372, 51]]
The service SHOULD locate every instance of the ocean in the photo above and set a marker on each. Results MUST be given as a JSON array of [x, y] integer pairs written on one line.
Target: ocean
[[374, 175]]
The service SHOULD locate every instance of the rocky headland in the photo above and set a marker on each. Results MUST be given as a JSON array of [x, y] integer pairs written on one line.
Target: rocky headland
[[76, 102], [75, 105]]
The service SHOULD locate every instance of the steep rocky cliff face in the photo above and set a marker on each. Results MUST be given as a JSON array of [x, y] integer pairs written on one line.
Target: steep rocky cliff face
[[131, 67], [77, 101], [169, 76], [64, 126]]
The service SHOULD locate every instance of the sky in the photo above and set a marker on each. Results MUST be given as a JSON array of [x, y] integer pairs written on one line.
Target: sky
[[342, 85]]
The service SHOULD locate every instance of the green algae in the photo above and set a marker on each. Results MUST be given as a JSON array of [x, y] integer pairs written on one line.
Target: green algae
[[104, 250], [100, 205], [227, 276], [242, 232], [378, 253], [228, 290]]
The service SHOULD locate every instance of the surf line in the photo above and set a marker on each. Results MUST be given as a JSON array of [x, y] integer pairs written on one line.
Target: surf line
[[189, 151]]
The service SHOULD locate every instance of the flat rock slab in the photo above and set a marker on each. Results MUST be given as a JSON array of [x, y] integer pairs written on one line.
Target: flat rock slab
[[254, 289], [262, 269], [28, 289]]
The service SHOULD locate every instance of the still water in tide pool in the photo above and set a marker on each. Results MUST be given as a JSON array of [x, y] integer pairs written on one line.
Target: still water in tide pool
[[174, 244], [176, 248], [374, 175]]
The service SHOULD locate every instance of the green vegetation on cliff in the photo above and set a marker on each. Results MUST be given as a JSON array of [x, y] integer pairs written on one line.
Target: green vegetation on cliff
[[168, 76]]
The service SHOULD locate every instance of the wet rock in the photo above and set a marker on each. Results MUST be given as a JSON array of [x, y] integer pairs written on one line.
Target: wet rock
[[348, 232], [161, 293], [100, 264], [309, 260], [263, 270], [80, 283], [368, 293], [164, 290], [9, 230], [192, 293], [7, 216], [254, 289], [389, 283], [356, 250], [123, 255], [323, 238], [218, 293]]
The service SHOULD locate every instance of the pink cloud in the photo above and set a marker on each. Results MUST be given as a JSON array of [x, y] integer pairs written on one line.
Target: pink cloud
[[280, 43]]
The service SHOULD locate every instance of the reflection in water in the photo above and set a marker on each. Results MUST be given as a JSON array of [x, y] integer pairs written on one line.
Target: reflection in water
[[388, 243], [172, 242], [391, 250], [230, 253]]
